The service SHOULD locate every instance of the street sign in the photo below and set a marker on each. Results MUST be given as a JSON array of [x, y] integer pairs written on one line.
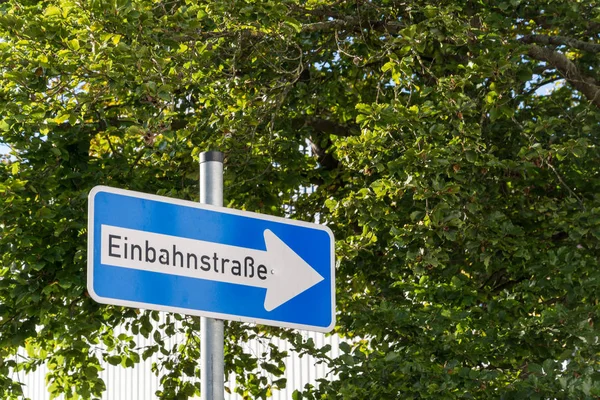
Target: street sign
[[154, 252]]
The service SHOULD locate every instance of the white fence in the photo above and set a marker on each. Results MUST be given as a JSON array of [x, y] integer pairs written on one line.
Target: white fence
[[140, 383]]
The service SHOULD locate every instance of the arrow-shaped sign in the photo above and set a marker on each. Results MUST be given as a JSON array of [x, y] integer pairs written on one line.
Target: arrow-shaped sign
[[165, 254], [279, 269]]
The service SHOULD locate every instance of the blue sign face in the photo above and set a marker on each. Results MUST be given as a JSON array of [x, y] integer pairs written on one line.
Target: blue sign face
[[164, 254]]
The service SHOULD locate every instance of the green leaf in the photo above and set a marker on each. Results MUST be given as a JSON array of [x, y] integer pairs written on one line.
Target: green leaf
[[114, 360], [535, 368], [73, 44], [293, 23], [52, 11]]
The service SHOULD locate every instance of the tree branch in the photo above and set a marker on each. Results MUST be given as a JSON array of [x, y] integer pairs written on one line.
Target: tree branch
[[507, 285], [320, 141], [585, 84], [353, 24], [561, 41], [560, 179], [538, 85], [330, 127]]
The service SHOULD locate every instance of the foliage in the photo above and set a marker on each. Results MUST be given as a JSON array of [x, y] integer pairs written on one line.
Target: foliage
[[464, 201]]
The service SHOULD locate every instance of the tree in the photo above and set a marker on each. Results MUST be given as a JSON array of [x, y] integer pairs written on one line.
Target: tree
[[462, 193]]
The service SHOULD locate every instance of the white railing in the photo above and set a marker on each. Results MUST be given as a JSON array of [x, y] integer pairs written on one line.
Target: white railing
[[140, 383]]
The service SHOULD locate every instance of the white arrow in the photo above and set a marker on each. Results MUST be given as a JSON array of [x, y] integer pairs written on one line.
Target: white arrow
[[279, 270]]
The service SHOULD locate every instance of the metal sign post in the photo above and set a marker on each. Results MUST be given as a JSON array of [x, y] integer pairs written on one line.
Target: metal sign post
[[211, 330]]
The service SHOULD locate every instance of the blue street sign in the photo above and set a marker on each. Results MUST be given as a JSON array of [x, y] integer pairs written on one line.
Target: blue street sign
[[154, 252]]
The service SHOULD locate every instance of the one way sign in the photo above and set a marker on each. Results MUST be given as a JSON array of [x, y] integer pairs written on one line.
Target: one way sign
[[166, 254]]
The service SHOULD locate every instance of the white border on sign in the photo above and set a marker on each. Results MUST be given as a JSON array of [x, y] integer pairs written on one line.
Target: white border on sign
[[187, 311]]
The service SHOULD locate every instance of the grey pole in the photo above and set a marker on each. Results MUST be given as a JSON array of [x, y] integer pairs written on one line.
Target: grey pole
[[211, 330]]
